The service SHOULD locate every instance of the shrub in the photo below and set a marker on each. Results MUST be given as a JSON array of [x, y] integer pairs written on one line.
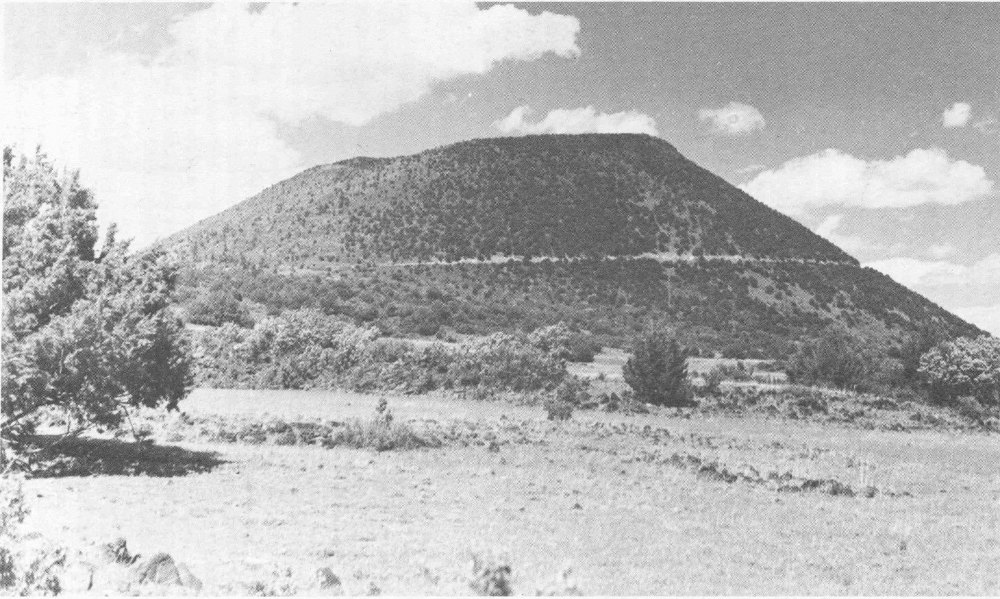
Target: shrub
[[381, 433], [964, 367], [553, 340], [569, 395], [657, 371], [25, 567], [502, 361], [837, 358], [305, 349], [491, 576], [217, 308], [713, 381], [583, 347]]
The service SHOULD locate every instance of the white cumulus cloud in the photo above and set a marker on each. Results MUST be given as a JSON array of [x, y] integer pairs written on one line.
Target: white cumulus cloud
[[829, 230], [957, 115], [168, 139], [734, 118], [834, 178], [577, 120]]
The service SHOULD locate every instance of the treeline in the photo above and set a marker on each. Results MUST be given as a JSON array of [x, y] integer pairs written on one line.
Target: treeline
[[305, 349], [737, 309]]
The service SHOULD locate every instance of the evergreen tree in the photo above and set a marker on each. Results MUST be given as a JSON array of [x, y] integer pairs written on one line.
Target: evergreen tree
[[85, 331], [657, 371]]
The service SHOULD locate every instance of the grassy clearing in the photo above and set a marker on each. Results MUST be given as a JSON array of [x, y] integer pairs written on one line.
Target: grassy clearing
[[665, 502]]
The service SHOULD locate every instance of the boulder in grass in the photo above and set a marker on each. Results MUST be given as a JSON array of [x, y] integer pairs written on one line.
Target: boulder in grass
[[161, 569], [328, 582]]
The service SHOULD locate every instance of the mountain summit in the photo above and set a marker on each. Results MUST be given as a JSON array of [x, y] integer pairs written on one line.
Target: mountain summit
[[609, 232], [555, 196]]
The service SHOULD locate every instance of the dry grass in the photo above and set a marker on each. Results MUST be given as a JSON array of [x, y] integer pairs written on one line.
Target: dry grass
[[643, 504]]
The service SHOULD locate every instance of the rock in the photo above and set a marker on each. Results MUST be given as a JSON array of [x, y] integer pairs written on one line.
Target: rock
[[161, 569], [328, 582], [116, 552]]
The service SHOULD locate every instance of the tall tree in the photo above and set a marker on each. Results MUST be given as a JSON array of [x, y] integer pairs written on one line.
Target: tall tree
[[85, 331]]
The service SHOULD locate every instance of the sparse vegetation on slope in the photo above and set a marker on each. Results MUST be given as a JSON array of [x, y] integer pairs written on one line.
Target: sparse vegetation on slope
[[556, 228], [551, 195]]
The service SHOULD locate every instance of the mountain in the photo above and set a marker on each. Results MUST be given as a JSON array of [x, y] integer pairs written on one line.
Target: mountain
[[609, 232]]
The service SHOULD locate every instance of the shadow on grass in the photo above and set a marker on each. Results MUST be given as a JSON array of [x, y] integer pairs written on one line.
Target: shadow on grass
[[110, 457]]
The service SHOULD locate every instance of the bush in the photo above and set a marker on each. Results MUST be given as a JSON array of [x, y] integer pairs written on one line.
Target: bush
[[657, 371], [305, 349], [217, 308], [583, 347], [381, 433], [838, 359], [25, 567], [553, 340], [713, 381], [964, 367], [569, 395]]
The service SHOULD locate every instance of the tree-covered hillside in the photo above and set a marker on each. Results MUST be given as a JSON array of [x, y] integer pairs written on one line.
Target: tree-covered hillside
[[747, 309], [551, 195], [611, 233]]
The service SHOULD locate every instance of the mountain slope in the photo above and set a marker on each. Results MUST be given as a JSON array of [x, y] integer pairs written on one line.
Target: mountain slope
[[612, 233], [554, 195]]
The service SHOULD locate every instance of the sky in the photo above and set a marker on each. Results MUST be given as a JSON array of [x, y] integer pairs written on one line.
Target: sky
[[876, 125]]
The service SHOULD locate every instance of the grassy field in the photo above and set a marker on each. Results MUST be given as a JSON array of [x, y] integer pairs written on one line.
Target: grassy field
[[659, 503]]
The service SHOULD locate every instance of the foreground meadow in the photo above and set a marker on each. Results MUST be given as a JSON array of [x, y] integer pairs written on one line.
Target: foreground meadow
[[605, 503]]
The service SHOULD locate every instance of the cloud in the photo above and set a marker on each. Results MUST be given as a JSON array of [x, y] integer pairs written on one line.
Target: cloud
[[734, 118], [957, 115], [952, 285], [577, 120], [940, 250], [167, 139], [833, 178], [850, 244], [750, 168]]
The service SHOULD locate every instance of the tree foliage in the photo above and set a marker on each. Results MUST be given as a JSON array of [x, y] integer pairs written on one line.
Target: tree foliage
[[836, 358], [657, 371], [83, 330], [964, 367]]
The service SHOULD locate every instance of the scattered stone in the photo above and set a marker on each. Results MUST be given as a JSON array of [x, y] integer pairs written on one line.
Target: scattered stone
[[161, 569], [116, 552], [328, 582]]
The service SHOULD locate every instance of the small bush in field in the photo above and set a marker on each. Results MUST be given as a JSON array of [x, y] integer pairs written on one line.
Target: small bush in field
[[569, 395], [491, 576], [657, 371], [381, 433], [964, 367]]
